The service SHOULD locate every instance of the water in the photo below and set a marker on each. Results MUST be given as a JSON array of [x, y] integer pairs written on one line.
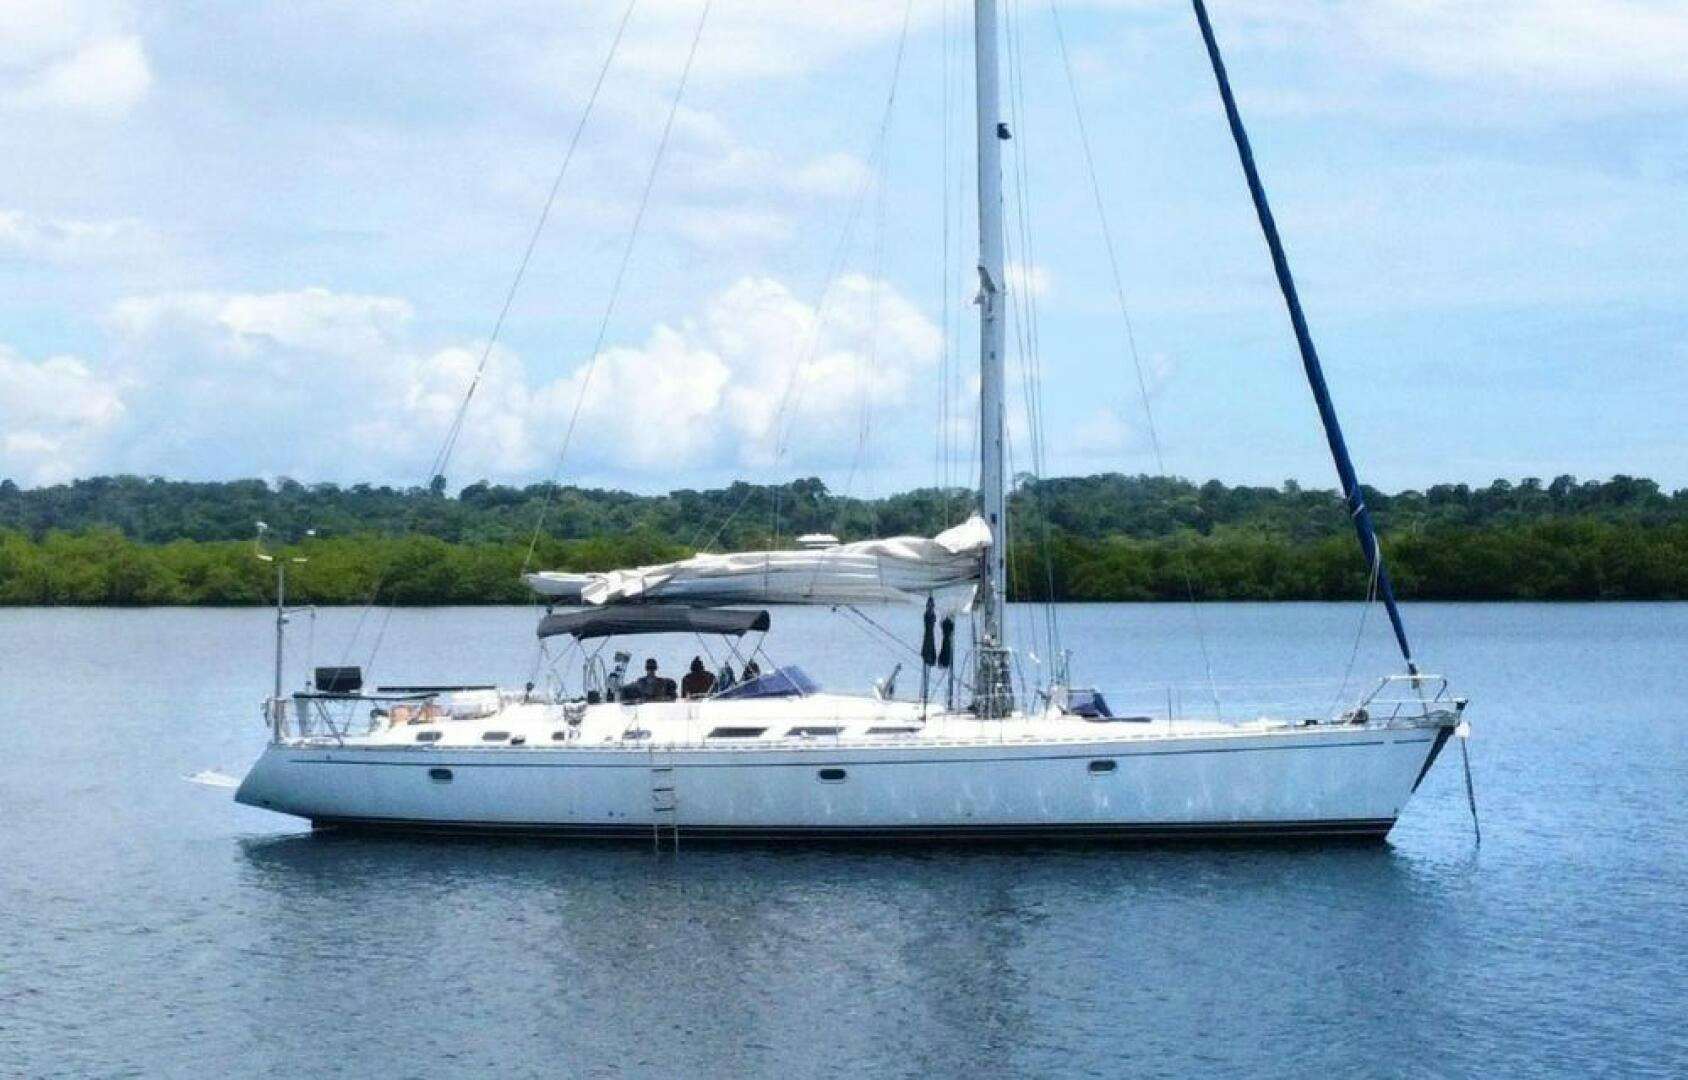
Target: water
[[151, 927]]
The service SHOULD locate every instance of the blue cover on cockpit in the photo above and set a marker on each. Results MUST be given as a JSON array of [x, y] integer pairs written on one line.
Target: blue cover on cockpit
[[788, 681]]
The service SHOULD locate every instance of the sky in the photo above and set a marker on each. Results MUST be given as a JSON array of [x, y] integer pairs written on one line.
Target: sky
[[273, 240]]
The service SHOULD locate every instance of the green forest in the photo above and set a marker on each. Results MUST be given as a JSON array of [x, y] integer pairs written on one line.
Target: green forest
[[126, 540]]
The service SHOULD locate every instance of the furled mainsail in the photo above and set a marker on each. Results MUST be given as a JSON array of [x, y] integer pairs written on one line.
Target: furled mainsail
[[868, 571]]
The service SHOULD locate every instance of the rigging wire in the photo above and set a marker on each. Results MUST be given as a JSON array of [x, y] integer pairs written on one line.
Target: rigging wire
[[780, 429], [864, 399], [616, 284], [963, 454], [446, 450], [1031, 365], [942, 450], [442, 459], [880, 629], [1360, 630], [1130, 333]]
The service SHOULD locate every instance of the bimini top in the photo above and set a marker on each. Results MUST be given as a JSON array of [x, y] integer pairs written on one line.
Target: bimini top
[[616, 620]]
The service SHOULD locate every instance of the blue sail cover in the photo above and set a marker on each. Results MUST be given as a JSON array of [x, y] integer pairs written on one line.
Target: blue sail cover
[[1351, 491]]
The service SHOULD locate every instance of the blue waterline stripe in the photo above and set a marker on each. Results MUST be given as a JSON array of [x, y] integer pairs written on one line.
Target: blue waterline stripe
[[1338, 827]]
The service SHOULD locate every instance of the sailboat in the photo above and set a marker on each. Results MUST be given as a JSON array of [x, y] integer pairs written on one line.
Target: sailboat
[[771, 754]]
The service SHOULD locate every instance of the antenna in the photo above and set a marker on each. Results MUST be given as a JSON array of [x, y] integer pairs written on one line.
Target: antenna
[[263, 531]]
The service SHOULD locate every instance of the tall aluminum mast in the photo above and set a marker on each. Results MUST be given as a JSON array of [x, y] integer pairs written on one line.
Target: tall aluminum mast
[[993, 690]]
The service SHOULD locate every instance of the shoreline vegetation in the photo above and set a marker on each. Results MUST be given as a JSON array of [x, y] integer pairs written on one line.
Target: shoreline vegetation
[[133, 541]]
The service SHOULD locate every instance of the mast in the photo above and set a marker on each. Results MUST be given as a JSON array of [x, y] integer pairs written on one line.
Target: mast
[[1351, 492], [992, 689]]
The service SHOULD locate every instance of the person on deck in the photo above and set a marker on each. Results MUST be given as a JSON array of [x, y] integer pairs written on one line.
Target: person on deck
[[652, 687], [698, 681], [751, 670]]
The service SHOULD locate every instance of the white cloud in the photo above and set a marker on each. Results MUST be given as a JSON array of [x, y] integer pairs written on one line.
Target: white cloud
[[1028, 280], [315, 383], [1602, 47], [79, 56], [312, 321], [758, 377], [54, 415], [61, 241]]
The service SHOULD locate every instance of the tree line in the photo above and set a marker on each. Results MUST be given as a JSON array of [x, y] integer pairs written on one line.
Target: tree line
[[127, 540]]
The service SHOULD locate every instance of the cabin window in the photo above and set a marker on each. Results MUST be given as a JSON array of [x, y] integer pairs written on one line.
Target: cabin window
[[427, 736], [1103, 765], [892, 730], [519, 740], [442, 775], [832, 776], [737, 732], [802, 732], [494, 736], [559, 736]]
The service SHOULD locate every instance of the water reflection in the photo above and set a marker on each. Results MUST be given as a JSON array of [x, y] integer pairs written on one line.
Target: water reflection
[[939, 961]]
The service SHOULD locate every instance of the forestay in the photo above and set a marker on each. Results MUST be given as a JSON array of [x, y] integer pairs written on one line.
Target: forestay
[[868, 571]]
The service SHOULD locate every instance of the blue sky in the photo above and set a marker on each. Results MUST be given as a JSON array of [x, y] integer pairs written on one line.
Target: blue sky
[[240, 240]]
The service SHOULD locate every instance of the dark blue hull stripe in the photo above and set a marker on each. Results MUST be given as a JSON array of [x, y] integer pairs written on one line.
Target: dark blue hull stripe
[[1357, 829]]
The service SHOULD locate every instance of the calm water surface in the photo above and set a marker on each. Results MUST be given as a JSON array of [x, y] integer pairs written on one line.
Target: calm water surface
[[150, 927]]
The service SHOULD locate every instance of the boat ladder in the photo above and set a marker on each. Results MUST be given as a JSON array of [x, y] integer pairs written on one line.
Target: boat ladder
[[665, 808]]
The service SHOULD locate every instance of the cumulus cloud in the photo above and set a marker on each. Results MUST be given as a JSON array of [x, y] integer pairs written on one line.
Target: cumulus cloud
[[758, 377], [55, 414], [80, 56], [316, 383]]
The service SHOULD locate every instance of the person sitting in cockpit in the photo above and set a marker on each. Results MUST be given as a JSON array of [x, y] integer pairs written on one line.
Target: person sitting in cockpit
[[652, 687], [698, 681]]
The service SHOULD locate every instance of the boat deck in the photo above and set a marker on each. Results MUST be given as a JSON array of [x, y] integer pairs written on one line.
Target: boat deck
[[505, 720]]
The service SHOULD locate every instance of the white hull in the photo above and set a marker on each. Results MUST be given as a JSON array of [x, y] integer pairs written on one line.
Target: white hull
[[1326, 780]]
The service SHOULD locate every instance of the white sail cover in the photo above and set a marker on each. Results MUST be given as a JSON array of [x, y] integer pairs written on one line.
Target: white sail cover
[[868, 571]]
